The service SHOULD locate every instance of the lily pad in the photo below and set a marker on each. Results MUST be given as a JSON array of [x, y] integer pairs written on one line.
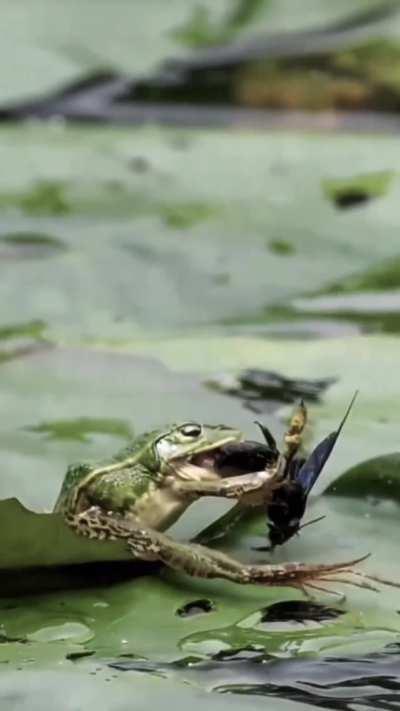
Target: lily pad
[[357, 190], [376, 478], [43, 539], [82, 427], [163, 249]]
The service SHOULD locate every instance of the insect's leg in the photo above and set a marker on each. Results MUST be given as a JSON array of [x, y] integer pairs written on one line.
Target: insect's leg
[[221, 528], [293, 436]]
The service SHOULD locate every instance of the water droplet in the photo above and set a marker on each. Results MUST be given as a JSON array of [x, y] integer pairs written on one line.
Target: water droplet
[[71, 631]]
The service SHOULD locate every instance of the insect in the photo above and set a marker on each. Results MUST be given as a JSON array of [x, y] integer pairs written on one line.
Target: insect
[[287, 506]]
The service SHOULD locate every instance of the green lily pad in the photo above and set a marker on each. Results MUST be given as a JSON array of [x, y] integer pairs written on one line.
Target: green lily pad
[[82, 427], [375, 478], [42, 539], [163, 249], [359, 189]]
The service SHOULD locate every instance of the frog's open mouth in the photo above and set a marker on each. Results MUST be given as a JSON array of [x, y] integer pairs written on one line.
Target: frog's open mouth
[[236, 458]]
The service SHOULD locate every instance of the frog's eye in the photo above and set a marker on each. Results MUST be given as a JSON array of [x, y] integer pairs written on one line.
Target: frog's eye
[[191, 430]]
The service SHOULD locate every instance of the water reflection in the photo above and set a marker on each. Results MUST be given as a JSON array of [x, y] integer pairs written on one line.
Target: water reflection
[[344, 683], [371, 682]]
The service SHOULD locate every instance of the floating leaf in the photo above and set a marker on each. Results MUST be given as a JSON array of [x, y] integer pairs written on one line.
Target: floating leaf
[[357, 190], [81, 427]]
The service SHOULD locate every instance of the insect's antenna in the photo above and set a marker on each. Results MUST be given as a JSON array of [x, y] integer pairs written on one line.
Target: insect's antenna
[[270, 440], [347, 413], [314, 520]]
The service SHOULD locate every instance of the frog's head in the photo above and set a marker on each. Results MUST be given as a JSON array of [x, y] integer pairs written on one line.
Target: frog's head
[[192, 440], [194, 444]]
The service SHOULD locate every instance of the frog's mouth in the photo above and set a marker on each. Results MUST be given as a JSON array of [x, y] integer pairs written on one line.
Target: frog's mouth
[[235, 459]]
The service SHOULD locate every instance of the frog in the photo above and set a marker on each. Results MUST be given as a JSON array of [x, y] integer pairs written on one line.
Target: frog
[[138, 494]]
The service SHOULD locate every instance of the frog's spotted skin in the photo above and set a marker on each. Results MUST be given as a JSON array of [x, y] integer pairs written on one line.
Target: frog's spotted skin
[[147, 486], [142, 478]]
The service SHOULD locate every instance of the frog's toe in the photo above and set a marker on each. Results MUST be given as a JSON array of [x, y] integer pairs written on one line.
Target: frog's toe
[[303, 576]]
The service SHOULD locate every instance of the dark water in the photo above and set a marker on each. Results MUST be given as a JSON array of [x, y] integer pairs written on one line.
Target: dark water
[[345, 684]]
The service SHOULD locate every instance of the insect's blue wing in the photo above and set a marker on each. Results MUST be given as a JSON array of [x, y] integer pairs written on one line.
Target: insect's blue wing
[[308, 474]]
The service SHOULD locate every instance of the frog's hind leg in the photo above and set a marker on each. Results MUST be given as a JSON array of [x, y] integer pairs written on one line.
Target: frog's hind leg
[[199, 561], [203, 562]]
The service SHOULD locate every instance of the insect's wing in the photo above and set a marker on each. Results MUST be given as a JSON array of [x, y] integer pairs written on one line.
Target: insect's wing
[[308, 474]]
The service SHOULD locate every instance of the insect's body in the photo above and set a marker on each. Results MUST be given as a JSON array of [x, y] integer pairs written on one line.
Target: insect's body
[[146, 487]]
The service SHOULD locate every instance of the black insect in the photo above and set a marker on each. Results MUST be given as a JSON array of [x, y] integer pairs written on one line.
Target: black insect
[[287, 507], [247, 456]]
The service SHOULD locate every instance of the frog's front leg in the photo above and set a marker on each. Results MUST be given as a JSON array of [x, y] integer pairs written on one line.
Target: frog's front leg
[[200, 561], [234, 487]]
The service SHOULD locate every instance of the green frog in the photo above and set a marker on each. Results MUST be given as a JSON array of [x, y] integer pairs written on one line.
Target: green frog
[[147, 486]]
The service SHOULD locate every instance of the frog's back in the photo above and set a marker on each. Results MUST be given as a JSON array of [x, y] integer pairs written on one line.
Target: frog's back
[[75, 474], [140, 448]]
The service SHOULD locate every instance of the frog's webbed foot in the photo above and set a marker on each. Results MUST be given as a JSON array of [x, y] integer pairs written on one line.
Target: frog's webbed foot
[[315, 577]]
